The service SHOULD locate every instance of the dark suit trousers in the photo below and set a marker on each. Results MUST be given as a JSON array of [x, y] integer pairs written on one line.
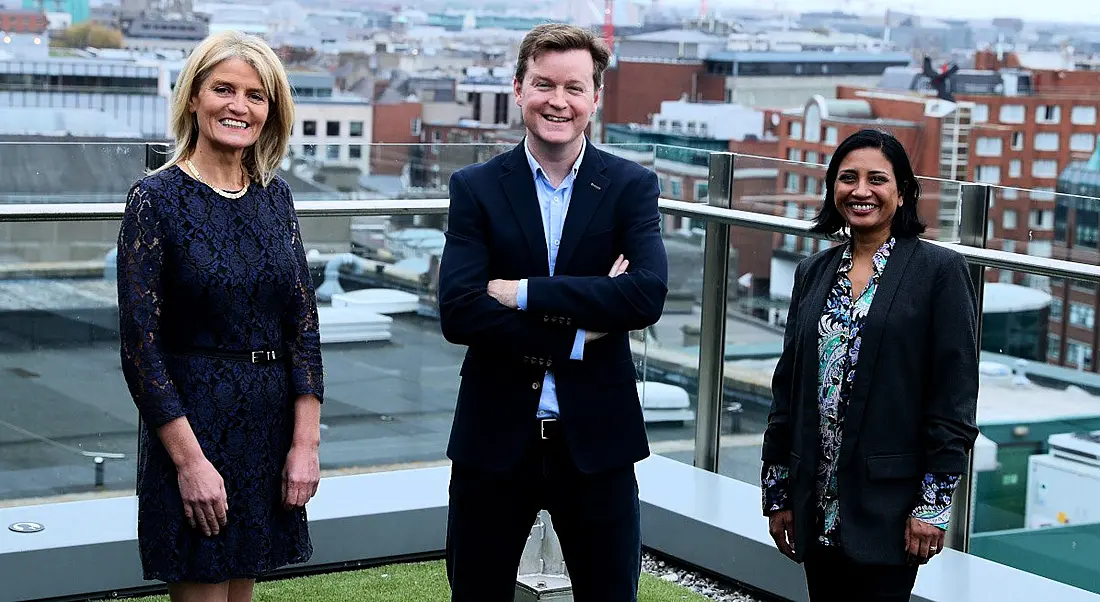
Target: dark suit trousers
[[595, 516], [832, 575]]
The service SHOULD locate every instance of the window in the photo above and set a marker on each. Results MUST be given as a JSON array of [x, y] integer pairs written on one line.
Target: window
[[1008, 219], [1082, 142], [355, 151], [990, 174], [1017, 141], [1044, 168], [309, 128], [309, 150], [332, 152], [332, 128], [1048, 114], [811, 185], [474, 98], [830, 136], [1082, 315], [793, 182], [1012, 114], [794, 154], [979, 114], [662, 124], [811, 157], [790, 242], [1009, 246], [1054, 344], [1056, 309], [1010, 193], [796, 130], [1042, 193], [1083, 116], [790, 209], [500, 109], [1039, 248], [415, 127], [676, 186], [1015, 169], [702, 191], [989, 147], [1078, 354], [1046, 141], [355, 129], [1041, 219]]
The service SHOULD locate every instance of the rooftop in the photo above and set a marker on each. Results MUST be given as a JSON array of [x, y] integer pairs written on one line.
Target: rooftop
[[810, 57]]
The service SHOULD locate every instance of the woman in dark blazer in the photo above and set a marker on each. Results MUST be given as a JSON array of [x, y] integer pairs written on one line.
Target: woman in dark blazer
[[874, 396]]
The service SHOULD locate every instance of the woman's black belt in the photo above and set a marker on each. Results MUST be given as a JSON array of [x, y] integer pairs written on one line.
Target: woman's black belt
[[261, 356]]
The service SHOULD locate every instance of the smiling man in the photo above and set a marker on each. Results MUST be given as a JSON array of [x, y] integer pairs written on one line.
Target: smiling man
[[553, 256]]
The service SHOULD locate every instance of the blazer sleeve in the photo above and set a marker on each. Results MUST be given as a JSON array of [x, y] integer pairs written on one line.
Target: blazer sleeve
[[777, 436], [141, 244], [632, 301], [950, 409], [467, 314]]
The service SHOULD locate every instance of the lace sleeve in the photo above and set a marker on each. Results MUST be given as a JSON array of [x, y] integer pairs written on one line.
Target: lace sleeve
[[140, 294], [300, 327]]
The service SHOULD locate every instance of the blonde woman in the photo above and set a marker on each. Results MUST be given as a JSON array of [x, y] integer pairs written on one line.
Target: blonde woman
[[219, 338]]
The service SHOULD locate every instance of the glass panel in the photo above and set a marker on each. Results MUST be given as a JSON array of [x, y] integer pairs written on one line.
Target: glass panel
[[667, 354], [58, 325], [1036, 484], [1035, 489]]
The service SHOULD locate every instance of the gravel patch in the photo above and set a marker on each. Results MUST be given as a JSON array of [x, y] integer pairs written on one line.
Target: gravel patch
[[718, 591]]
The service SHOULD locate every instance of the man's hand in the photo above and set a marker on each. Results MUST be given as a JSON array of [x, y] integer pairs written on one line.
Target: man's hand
[[922, 540], [505, 291], [781, 528], [619, 268], [616, 270]]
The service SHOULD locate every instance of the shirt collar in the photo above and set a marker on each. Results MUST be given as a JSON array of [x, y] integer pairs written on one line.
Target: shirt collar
[[878, 261], [536, 168]]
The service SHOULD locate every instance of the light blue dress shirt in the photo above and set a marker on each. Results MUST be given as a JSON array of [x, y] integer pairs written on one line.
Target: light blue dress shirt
[[553, 205]]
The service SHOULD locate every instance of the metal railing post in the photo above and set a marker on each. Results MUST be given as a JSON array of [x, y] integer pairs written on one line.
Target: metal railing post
[[973, 232], [156, 155], [712, 323]]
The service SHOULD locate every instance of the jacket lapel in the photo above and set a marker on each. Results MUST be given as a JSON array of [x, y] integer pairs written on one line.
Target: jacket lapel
[[871, 339], [588, 191], [809, 318], [519, 187]]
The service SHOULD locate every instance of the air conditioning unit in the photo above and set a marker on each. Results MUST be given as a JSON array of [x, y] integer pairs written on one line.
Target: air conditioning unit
[[1076, 447]]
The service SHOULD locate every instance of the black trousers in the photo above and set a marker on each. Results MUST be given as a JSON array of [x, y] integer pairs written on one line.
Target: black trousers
[[595, 516], [832, 575]]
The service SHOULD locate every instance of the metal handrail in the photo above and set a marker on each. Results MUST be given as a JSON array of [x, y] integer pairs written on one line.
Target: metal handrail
[[1043, 266]]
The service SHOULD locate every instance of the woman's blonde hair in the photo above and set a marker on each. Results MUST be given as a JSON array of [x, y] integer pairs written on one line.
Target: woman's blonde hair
[[262, 158]]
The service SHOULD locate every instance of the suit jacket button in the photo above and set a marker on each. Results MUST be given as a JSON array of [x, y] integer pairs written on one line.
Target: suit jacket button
[[535, 385], [549, 363]]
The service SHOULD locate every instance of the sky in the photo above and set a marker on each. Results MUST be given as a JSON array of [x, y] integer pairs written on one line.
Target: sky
[[1070, 11]]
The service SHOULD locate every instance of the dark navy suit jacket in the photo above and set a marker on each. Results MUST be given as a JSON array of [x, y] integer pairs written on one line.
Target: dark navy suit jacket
[[495, 232]]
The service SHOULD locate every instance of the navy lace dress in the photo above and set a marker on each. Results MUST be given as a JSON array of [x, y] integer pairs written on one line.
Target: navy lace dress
[[197, 270]]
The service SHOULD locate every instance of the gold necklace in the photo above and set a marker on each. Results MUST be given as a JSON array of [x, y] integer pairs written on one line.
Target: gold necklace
[[229, 195]]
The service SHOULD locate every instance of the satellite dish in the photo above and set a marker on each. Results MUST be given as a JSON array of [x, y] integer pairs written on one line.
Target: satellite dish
[[775, 118]]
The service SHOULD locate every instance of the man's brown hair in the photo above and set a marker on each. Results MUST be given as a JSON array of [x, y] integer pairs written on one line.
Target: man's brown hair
[[558, 37]]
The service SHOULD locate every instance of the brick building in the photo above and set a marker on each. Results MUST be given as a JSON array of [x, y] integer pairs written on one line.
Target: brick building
[[23, 21]]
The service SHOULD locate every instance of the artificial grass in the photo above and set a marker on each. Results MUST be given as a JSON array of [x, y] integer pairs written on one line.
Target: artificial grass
[[409, 582]]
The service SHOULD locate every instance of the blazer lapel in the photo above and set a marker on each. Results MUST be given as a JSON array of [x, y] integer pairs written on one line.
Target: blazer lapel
[[871, 339], [815, 299], [519, 187], [588, 191]]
